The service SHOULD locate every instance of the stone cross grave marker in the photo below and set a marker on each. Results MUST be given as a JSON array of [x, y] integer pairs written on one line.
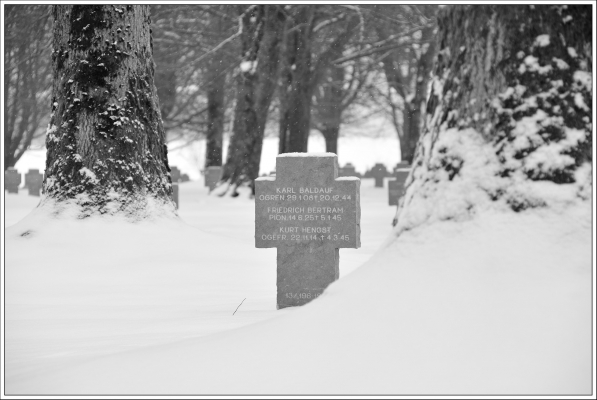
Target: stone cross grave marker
[[347, 170], [396, 186], [12, 180], [175, 175], [212, 176], [33, 182], [400, 167], [379, 172], [307, 213]]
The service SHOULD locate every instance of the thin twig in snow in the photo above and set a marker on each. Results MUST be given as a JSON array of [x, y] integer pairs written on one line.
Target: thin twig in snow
[[241, 303]]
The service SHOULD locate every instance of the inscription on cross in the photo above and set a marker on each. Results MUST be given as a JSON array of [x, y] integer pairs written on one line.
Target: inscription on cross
[[307, 213]]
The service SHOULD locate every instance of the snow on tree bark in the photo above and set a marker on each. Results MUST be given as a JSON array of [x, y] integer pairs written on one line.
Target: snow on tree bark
[[509, 116], [106, 145]]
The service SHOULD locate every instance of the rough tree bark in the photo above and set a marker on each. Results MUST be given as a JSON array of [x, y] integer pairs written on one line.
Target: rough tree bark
[[260, 40], [106, 149], [509, 116]]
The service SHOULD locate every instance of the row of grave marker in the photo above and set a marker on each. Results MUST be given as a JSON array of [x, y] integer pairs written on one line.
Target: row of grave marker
[[212, 177], [33, 181], [307, 212]]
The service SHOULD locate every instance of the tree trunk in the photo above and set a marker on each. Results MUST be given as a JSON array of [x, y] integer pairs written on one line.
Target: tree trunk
[[215, 113], [416, 105], [329, 108], [412, 87], [330, 135], [296, 115], [166, 90], [106, 146], [262, 29], [509, 117]]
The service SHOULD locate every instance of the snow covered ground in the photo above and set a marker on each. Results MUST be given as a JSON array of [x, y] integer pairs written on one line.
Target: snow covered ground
[[500, 304]]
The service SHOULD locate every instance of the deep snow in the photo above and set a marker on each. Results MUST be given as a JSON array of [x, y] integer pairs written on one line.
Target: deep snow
[[497, 304]]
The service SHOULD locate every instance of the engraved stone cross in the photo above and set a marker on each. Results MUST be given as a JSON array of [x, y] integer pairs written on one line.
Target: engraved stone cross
[[33, 182], [307, 213]]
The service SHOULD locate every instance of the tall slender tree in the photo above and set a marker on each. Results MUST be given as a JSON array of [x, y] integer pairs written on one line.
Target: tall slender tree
[[309, 49], [216, 73], [407, 68], [106, 148], [262, 27], [27, 77], [295, 112]]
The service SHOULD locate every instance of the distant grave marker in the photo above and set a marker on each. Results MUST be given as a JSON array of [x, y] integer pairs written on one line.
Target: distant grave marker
[[175, 175], [400, 166], [12, 180], [379, 172], [33, 182], [307, 213], [396, 186], [212, 176], [347, 170]]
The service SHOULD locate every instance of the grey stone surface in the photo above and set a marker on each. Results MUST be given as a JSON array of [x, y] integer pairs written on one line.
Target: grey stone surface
[[396, 187], [12, 180], [34, 182], [348, 170], [379, 172], [307, 213], [212, 176]]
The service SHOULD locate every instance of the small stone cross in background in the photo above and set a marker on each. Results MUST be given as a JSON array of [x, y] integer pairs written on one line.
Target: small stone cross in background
[[379, 172], [12, 180], [33, 182]]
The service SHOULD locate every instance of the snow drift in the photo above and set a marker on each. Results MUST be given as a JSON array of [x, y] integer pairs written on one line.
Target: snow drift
[[498, 304]]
